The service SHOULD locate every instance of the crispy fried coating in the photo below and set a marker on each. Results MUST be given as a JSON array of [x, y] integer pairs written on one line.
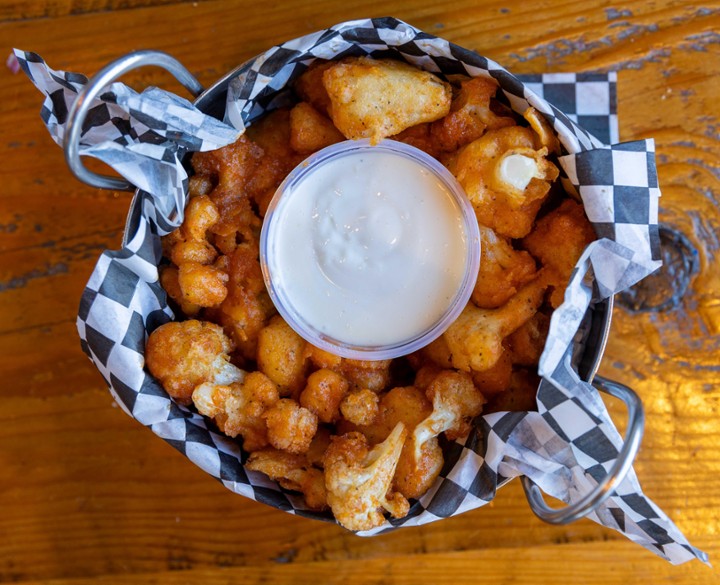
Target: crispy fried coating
[[238, 408], [200, 215], [247, 307], [358, 479], [558, 241], [456, 401], [169, 282], [202, 285], [319, 444], [310, 130], [521, 394], [496, 379], [475, 338], [420, 137], [371, 374], [470, 115], [376, 99], [281, 355], [293, 472], [545, 135], [309, 86], [418, 469], [323, 394], [183, 355], [503, 270], [322, 359], [360, 407], [526, 344], [505, 178], [290, 426]]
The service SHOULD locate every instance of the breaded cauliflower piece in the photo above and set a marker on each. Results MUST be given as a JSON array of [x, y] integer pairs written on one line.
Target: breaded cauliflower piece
[[247, 307], [371, 374], [358, 479], [545, 135], [293, 472], [309, 86], [290, 427], [202, 285], [376, 99], [238, 408], [189, 353], [456, 401], [505, 178], [475, 338], [281, 356], [310, 130], [323, 394], [503, 270], [526, 344], [558, 241], [496, 379], [360, 407], [470, 115]]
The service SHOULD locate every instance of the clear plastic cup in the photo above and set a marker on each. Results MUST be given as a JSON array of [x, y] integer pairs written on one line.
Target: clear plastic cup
[[344, 230]]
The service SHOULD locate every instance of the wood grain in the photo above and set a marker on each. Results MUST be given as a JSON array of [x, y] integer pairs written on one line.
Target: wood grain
[[89, 495]]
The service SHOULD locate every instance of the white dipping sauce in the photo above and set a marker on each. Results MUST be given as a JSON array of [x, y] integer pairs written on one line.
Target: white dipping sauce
[[368, 248]]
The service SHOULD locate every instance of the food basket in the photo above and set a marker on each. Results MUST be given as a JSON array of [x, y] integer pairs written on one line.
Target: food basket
[[570, 448]]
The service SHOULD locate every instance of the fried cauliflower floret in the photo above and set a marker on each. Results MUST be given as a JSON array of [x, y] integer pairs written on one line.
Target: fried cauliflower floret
[[293, 472], [309, 86], [503, 270], [521, 395], [376, 99], [360, 407], [475, 338], [526, 344], [371, 374], [310, 130], [545, 135], [470, 115], [497, 378], [169, 281], [184, 355], [323, 394], [238, 408], [322, 359], [319, 444], [505, 178], [455, 402], [202, 285], [290, 427], [558, 241], [358, 479], [281, 356], [247, 307]]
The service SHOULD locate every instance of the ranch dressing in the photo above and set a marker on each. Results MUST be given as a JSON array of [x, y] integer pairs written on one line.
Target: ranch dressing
[[368, 248]]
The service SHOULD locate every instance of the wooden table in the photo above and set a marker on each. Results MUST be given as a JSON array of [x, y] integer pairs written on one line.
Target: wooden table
[[90, 496]]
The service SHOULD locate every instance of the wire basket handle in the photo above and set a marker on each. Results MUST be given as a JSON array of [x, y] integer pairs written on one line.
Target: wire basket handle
[[79, 110], [605, 488]]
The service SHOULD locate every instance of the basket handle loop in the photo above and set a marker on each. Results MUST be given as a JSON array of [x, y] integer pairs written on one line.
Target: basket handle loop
[[605, 488], [79, 110]]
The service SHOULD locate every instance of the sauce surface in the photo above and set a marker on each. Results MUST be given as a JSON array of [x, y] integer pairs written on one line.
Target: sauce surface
[[369, 248]]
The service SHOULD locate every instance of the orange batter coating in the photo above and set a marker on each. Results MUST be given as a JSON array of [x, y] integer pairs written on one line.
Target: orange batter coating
[[505, 178], [323, 394], [526, 344], [475, 338], [309, 86], [376, 99], [360, 407], [202, 285], [290, 426], [470, 115], [292, 472], [189, 353], [310, 130], [503, 270], [281, 356], [358, 479], [239, 408], [558, 241]]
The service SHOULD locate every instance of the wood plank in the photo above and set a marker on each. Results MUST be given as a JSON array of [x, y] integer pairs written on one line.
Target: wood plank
[[582, 564], [90, 496]]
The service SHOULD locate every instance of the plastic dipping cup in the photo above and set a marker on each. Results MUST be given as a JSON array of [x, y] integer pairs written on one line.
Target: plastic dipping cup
[[370, 252]]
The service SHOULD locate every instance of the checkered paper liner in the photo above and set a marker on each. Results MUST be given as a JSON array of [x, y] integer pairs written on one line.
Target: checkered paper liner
[[566, 447]]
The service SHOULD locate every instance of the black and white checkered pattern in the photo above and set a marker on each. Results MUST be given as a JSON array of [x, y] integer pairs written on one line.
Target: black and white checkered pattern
[[566, 446], [144, 137]]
